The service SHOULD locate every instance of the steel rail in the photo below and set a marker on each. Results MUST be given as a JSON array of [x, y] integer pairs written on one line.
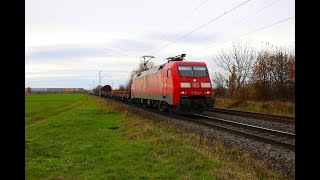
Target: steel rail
[[249, 126], [247, 134], [275, 118]]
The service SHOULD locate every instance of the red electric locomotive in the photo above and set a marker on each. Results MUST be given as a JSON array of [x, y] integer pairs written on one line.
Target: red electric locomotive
[[177, 86]]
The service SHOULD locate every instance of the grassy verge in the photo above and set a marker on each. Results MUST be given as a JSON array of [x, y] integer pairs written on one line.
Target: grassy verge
[[100, 140], [270, 107]]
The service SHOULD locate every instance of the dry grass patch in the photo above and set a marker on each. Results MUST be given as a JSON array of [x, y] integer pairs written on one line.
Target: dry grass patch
[[235, 164], [269, 107]]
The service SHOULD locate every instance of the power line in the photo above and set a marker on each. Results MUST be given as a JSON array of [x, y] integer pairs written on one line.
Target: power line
[[261, 9], [184, 18], [266, 6], [253, 31], [201, 26]]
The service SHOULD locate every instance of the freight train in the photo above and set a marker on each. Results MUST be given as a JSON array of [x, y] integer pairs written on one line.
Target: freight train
[[177, 86]]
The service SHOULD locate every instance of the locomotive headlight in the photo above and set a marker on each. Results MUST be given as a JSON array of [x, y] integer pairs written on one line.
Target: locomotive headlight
[[205, 85], [185, 85], [207, 92], [183, 92]]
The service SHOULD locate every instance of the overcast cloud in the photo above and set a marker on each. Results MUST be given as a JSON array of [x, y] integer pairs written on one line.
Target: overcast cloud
[[67, 42]]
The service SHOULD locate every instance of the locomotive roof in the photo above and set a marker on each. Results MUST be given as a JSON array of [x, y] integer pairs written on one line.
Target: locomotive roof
[[190, 63], [169, 64], [149, 71]]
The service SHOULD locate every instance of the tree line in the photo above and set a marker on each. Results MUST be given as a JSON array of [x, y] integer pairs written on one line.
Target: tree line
[[247, 74]]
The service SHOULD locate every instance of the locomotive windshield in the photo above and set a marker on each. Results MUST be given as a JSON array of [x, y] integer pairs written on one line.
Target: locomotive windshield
[[185, 70], [196, 71], [199, 71]]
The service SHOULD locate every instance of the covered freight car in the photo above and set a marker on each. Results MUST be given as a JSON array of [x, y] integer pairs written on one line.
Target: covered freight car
[[106, 88]]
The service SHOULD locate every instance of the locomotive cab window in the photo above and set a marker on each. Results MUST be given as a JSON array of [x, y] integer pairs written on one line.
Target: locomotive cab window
[[194, 71], [168, 73], [185, 71], [200, 71]]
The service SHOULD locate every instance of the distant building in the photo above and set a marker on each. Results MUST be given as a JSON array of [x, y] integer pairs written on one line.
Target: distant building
[[54, 90]]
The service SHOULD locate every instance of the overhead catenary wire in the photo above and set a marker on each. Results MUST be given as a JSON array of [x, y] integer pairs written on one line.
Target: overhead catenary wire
[[184, 18], [253, 31], [202, 26], [260, 9]]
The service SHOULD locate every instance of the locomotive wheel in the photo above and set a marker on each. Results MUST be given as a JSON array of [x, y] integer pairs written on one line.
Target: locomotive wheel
[[140, 103], [162, 107], [171, 110]]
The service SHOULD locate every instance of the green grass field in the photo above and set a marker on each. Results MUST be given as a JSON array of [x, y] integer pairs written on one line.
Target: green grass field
[[42, 106], [95, 141]]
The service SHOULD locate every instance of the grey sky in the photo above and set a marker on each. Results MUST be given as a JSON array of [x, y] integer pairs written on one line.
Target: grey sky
[[67, 42]]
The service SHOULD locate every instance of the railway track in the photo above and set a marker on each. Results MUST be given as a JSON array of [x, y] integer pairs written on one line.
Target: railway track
[[268, 117], [270, 136]]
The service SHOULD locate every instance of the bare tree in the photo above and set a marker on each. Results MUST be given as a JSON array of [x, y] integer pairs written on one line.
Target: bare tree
[[262, 76], [220, 83], [241, 57], [292, 70], [218, 79], [231, 82]]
